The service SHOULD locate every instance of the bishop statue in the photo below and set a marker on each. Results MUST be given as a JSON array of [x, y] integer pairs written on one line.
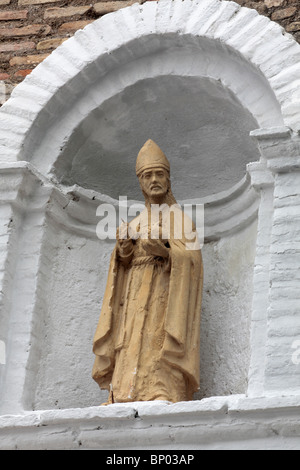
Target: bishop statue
[[147, 341]]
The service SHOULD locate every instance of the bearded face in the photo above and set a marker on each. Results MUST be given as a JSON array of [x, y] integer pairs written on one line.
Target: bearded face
[[155, 184]]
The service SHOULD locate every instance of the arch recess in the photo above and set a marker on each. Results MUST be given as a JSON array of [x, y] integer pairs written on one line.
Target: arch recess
[[246, 52]]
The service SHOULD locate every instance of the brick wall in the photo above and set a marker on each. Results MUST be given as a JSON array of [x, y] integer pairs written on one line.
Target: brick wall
[[284, 12], [31, 29]]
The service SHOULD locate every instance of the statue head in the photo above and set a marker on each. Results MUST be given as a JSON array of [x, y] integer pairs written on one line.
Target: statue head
[[153, 171]]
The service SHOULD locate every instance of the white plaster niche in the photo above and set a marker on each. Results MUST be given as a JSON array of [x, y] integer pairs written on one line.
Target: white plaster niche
[[198, 77]]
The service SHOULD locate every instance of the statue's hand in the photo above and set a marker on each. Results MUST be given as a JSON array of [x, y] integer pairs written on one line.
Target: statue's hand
[[125, 243], [155, 247], [123, 232]]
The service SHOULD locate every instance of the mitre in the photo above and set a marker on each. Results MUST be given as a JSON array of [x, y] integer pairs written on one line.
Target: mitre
[[151, 156]]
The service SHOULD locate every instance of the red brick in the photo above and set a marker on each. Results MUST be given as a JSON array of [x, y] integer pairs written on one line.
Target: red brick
[[13, 15], [4, 76], [102, 8], [273, 3], [57, 13], [73, 26], [35, 2], [29, 30], [52, 43], [282, 14], [23, 73], [17, 46], [293, 26], [28, 59]]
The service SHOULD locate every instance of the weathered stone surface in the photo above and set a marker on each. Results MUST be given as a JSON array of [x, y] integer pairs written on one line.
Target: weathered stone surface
[[101, 8], [13, 15], [23, 73], [72, 26], [50, 43], [285, 13], [274, 3], [293, 26], [29, 30], [29, 59], [56, 13], [36, 2], [16, 46]]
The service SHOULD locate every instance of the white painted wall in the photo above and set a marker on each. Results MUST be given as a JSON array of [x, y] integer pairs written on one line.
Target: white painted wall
[[226, 313], [76, 278], [78, 268], [53, 269]]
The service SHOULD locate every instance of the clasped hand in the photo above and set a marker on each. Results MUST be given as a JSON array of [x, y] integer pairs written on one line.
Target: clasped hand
[[153, 247]]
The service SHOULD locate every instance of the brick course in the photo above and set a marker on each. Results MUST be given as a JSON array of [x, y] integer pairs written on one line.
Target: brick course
[[28, 59], [16, 46], [67, 12], [13, 15], [293, 26], [30, 30], [47, 44], [36, 2], [72, 26], [273, 3], [23, 73], [36, 27], [101, 8]]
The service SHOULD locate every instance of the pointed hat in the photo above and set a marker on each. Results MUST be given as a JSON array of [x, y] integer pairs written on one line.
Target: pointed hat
[[151, 156]]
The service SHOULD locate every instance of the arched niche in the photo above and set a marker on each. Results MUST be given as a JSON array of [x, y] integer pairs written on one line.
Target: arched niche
[[197, 77], [191, 117]]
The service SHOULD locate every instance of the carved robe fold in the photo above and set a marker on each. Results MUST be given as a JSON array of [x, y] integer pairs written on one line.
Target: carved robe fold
[[148, 337]]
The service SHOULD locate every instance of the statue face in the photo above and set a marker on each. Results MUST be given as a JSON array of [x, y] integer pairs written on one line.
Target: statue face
[[155, 183]]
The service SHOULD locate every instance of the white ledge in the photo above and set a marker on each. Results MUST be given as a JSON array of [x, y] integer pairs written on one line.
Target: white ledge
[[272, 133], [234, 422]]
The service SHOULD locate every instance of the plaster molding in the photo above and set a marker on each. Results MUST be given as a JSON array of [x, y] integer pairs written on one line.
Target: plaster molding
[[240, 33], [261, 176], [260, 423], [280, 148], [74, 208]]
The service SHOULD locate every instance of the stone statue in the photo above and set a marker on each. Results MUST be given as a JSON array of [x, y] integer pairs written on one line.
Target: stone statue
[[147, 339]]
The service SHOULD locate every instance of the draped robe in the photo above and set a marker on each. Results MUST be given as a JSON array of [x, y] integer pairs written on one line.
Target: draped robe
[[147, 340]]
